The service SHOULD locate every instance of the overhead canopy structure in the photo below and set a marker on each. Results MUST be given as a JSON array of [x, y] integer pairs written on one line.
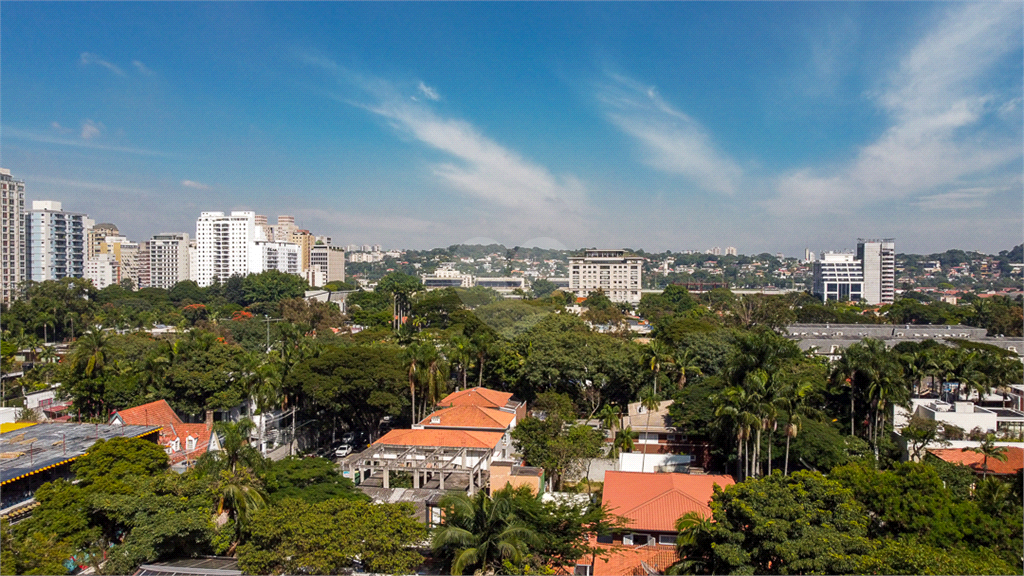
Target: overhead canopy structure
[[427, 464]]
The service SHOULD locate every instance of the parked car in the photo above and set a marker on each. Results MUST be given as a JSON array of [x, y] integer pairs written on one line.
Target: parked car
[[348, 438], [342, 451]]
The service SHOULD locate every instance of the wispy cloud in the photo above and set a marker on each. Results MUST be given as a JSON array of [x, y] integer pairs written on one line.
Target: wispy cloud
[[479, 167], [61, 129], [142, 68], [88, 58], [85, 185], [673, 141], [939, 131], [195, 185], [91, 129], [33, 136], [428, 92]]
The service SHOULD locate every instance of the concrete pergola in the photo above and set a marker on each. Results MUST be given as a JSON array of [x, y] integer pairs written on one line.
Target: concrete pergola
[[425, 463]]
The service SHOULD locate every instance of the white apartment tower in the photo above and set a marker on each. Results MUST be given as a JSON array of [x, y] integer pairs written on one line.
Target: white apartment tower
[[838, 276], [168, 259], [103, 270], [12, 241], [223, 243], [54, 242], [878, 258], [618, 275], [281, 256]]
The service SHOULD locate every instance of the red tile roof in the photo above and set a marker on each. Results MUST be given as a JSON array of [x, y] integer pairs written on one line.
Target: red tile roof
[[469, 416], [630, 560], [447, 438], [172, 429], [478, 396], [654, 501], [1014, 460]]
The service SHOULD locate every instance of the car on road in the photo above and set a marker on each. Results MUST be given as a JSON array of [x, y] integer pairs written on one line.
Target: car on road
[[343, 450], [348, 438]]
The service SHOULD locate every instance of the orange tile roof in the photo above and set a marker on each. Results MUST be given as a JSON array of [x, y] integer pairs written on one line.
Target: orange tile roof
[[654, 501], [1014, 460], [153, 414], [478, 396], [447, 438], [469, 416], [630, 560], [161, 414]]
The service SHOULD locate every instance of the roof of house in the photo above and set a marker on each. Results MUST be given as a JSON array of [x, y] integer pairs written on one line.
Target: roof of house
[[469, 416], [654, 501], [160, 413], [440, 437], [1014, 460], [478, 396], [659, 421], [630, 560]]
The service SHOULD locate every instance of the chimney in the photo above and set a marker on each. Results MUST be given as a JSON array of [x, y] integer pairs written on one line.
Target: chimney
[[209, 419]]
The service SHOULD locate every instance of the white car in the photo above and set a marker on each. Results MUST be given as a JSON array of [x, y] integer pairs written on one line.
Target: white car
[[342, 451]]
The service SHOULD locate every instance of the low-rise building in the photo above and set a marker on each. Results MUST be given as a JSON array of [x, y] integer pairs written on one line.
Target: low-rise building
[[184, 443]]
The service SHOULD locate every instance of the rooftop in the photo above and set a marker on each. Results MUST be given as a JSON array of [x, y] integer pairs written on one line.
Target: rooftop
[[441, 437], [1014, 460], [655, 501], [469, 416], [478, 396], [29, 450]]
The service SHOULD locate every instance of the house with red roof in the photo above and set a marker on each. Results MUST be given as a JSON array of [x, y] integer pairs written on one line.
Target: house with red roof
[[976, 462], [650, 504], [486, 398], [182, 441]]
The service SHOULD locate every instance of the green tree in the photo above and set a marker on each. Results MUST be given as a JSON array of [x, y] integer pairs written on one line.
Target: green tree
[[272, 286], [311, 480], [480, 531], [797, 524], [114, 460], [988, 449]]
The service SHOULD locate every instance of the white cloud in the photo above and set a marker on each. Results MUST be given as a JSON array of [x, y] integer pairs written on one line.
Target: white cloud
[[673, 141], [194, 184], [34, 136], [428, 92], [56, 126], [937, 133], [90, 58], [91, 129], [528, 195], [142, 68]]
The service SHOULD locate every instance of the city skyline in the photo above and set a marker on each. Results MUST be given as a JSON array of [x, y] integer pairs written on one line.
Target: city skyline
[[771, 127]]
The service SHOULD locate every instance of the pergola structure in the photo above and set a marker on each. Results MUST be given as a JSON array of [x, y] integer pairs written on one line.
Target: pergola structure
[[427, 464]]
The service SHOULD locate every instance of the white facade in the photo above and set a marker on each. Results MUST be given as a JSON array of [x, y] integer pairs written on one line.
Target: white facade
[[222, 245], [618, 275], [54, 242], [12, 241], [103, 270], [878, 259], [280, 256], [838, 276], [446, 276], [168, 259]]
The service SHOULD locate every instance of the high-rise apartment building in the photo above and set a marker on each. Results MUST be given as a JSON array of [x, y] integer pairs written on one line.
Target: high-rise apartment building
[[54, 242], [222, 245], [103, 270], [878, 257], [330, 260], [167, 256], [618, 275], [280, 256], [96, 235], [838, 276], [730, 251], [869, 274], [128, 256], [12, 241]]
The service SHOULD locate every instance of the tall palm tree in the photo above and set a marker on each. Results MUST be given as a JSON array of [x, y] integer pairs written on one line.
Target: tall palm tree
[[792, 401], [686, 364], [90, 352], [623, 441], [411, 361], [653, 356], [460, 352], [989, 449], [693, 527], [438, 372], [483, 346], [481, 531], [239, 493], [649, 401], [738, 405]]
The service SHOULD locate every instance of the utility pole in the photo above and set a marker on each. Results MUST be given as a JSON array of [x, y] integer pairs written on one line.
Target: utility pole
[[268, 320]]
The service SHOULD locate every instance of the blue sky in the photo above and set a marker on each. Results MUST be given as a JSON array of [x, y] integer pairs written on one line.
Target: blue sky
[[764, 126]]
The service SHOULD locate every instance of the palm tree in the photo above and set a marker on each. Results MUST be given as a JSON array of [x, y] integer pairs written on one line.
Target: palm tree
[[90, 352], [653, 356], [686, 363], [483, 345], [460, 351], [623, 441], [610, 417], [693, 528], [239, 493], [792, 400], [737, 404], [235, 452], [481, 531], [411, 361], [989, 449], [438, 372], [650, 402]]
